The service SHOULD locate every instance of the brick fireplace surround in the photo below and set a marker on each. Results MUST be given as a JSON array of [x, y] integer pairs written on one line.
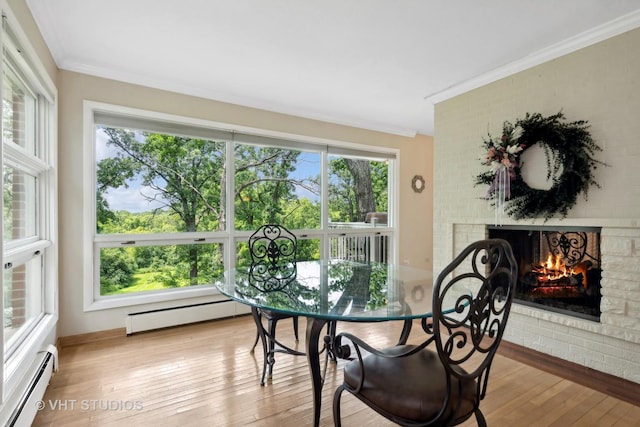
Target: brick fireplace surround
[[597, 83], [612, 345]]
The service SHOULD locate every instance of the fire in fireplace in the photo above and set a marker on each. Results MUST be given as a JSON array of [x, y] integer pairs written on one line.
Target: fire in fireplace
[[559, 268]]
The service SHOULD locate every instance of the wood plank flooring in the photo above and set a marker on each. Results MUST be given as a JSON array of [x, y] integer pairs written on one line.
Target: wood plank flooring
[[205, 375]]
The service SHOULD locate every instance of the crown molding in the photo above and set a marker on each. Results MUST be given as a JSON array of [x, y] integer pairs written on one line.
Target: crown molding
[[597, 34]]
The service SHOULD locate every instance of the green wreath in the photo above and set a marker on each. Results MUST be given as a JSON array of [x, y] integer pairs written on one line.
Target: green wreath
[[568, 148]]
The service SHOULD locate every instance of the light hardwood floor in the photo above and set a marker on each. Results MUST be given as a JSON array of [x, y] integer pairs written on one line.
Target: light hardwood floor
[[204, 375]]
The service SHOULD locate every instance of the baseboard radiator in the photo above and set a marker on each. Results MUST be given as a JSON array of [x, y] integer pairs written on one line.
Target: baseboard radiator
[[28, 405], [164, 318]]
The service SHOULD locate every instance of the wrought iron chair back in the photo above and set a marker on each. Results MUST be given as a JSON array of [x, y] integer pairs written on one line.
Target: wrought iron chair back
[[572, 246], [415, 385], [273, 251], [467, 339], [273, 268]]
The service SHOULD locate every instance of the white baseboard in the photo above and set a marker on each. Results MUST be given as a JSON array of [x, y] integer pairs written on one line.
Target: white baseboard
[[27, 406], [157, 319]]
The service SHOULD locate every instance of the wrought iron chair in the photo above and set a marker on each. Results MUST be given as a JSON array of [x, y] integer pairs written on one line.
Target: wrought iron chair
[[273, 251], [416, 386]]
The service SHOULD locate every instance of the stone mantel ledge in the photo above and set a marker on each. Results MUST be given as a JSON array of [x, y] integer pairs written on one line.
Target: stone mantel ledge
[[611, 223], [623, 334], [558, 318], [610, 325]]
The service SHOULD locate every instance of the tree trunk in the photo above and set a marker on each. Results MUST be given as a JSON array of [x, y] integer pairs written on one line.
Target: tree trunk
[[363, 189]]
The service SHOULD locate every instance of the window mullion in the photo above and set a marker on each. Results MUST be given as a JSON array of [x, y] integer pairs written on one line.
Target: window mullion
[[324, 204], [230, 228]]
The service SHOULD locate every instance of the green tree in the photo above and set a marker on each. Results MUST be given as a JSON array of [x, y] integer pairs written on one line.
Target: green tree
[[363, 190], [342, 203], [380, 185], [184, 175], [117, 265], [265, 188], [111, 173], [357, 187]]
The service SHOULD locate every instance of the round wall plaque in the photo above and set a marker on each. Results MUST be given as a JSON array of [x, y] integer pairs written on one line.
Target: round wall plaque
[[417, 183]]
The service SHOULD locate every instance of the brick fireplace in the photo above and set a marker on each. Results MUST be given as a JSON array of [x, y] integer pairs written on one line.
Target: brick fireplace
[[610, 345]]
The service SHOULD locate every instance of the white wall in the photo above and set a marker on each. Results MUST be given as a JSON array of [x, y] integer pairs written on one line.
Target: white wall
[[599, 84]]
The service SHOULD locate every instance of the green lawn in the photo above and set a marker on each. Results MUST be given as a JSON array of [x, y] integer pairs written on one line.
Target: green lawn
[[142, 282]]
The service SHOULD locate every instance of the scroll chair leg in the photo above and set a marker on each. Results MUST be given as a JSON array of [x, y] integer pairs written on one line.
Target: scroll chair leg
[[270, 352], [337, 422], [255, 343], [406, 330], [331, 332], [480, 418], [295, 327], [257, 317]]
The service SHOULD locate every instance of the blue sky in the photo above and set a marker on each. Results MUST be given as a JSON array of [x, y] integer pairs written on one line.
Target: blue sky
[[126, 199]]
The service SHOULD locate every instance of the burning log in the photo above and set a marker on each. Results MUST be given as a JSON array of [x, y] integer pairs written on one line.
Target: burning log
[[558, 292], [573, 280], [554, 272]]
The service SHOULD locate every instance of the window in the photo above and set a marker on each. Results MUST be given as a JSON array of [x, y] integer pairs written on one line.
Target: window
[[28, 215], [176, 200], [151, 184], [22, 172]]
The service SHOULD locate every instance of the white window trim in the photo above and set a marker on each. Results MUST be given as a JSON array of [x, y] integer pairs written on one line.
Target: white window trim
[[18, 366], [92, 299]]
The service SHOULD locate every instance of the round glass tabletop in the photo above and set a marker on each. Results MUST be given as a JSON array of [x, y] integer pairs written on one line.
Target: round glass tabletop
[[336, 290]]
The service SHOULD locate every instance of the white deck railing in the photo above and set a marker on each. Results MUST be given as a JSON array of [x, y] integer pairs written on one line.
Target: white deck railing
[[360, 247]]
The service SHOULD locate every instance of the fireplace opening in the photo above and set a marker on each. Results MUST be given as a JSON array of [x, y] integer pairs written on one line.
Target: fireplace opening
[[558, 267]]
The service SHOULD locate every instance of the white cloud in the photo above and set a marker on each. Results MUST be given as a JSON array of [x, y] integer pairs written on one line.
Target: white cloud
[[130, 199]]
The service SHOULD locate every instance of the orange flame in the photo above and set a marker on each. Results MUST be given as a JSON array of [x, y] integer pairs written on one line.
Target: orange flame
[[554, 268]]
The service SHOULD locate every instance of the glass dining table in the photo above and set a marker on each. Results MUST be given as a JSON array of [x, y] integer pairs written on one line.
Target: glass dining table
[[326, 292]]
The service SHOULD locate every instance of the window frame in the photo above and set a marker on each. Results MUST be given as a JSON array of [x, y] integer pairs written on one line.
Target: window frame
[[23, 60], [122, 116]]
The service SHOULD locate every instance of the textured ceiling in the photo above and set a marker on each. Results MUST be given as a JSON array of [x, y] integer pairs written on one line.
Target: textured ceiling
[[373, 64]]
